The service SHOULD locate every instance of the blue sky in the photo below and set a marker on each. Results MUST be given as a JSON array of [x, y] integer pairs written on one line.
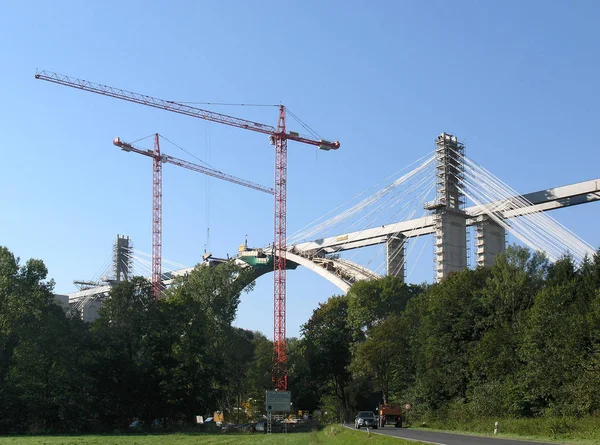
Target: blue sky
[[515, 80]]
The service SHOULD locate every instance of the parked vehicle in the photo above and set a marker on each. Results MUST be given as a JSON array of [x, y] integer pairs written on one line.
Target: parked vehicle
[[366, 419]]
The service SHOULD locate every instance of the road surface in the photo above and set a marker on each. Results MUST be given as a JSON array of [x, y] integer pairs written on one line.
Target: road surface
[[445, 438]]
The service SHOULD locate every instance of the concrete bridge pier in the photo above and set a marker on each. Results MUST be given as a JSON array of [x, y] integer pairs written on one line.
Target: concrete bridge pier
[[450, 243], [395, 250], [490, 240]]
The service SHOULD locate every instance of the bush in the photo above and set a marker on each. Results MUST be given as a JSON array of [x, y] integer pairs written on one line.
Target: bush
[[333, 430], [489, 400]]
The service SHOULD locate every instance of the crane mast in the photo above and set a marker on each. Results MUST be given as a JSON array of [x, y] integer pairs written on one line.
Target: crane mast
[[156, 220], [278, 137], [279, 257]]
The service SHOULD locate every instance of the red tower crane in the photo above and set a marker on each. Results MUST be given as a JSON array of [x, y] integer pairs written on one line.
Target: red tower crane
[[278, 137], [158, 160]]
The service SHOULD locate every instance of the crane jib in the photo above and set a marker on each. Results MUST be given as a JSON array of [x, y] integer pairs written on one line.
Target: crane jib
[[150, 101], [180, 108], [191, 166]]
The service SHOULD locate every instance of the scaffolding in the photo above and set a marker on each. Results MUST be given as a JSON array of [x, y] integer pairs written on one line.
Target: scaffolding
[[450, 171], [451, 252], [480, 240]]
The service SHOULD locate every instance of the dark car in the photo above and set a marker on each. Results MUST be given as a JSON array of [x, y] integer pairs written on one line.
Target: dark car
[[366, 419]]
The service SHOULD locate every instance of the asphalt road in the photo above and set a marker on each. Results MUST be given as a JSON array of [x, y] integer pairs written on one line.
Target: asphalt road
[[444, 438]]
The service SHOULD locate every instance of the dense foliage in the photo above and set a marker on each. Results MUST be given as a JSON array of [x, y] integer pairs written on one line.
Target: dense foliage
[[520, 339], [172, 359]]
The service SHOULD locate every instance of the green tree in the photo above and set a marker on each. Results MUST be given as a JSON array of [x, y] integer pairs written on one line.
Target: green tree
[[238, 358], [305, 391], [259, 370], [127, 367], [258, 373], [584, 391], [514, 279], [202, 305], [217, 288], [385, 357], [556, 341], [49, 376], [24, 292], [44, 382], [448, 332], [370, 302], [327, 339]]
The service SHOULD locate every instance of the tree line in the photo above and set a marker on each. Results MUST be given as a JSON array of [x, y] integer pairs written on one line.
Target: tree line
[[519, 339], [171, 359]]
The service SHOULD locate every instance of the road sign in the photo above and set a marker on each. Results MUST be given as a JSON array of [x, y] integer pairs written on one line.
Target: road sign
[[278, 400]]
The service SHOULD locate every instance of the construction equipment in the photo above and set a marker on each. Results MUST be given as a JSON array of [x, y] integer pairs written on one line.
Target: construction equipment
[[278, 136], [159, 159]]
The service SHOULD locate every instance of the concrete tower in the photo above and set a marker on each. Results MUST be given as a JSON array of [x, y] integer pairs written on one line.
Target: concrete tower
[[122, 260], [448, 208]]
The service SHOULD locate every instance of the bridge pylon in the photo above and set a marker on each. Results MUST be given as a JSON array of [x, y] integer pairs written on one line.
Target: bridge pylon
[[122, 260], [450, 219]]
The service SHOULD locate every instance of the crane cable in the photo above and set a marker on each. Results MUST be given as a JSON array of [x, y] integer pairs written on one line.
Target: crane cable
[[312, 132], [207, 190]]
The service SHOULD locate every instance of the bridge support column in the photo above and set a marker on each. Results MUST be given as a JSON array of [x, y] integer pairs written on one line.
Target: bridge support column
[[122, 261], [90, 311], [490, 241], [450, 244], [396, 256]]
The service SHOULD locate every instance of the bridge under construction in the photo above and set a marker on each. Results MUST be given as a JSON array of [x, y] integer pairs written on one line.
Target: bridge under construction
[[465, 195]]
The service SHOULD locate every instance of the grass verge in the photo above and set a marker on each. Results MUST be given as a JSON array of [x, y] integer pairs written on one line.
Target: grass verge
[[333, 434], [569, 430]]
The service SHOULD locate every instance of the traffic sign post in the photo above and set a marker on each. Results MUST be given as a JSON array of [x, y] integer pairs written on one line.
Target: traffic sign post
[[278, 401]]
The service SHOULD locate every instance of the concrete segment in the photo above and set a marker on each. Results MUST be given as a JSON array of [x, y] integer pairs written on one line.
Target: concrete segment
[[395, 256]]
